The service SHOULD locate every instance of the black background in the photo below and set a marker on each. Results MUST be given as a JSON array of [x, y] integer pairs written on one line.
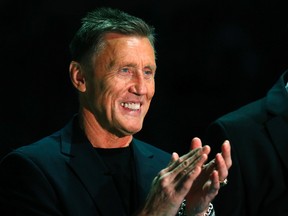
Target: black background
[[213, 57]]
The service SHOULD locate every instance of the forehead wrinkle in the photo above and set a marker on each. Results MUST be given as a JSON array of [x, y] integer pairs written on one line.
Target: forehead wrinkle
[[111, 64], [110, 61]]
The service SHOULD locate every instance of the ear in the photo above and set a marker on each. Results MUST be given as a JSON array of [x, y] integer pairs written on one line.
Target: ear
[[77, 76]]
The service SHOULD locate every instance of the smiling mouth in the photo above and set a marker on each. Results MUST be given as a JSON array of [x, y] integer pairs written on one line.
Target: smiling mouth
[[131, 106]]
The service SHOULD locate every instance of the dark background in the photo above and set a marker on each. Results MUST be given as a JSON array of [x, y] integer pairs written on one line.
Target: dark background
[[213, 57]]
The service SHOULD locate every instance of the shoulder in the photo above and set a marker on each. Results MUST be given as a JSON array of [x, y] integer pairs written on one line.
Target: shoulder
[[44, 149], [251, 112], [146, 150], [238, 125]]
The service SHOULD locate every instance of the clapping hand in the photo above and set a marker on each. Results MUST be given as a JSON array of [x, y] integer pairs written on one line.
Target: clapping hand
[[188, 177]]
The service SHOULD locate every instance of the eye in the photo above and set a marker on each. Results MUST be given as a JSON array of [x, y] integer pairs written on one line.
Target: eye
[[126, 71], [148, 74]]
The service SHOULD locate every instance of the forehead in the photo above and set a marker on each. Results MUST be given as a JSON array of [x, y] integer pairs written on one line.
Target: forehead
[[127, 40], [128, 47]]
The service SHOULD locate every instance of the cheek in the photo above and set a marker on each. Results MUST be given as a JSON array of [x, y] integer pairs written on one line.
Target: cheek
[[111, 92], [98, 94], [151, 90]]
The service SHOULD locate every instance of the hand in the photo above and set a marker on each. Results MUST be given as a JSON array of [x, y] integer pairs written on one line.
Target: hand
[[207, 184], [172, 184]]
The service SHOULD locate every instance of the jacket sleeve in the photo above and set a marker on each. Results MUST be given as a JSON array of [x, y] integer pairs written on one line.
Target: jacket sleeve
[[231, 198]]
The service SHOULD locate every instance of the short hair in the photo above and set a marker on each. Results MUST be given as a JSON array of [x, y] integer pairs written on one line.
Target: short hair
[[88, 39]]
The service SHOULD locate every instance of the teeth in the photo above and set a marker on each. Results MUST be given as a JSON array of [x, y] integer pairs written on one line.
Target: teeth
[[133, 106]]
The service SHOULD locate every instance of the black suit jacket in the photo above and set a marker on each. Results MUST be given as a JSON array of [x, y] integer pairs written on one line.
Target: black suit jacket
[[62, 175], [258, 132]]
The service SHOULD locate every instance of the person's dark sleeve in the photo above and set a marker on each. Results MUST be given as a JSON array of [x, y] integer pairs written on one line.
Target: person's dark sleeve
[[231, 198]]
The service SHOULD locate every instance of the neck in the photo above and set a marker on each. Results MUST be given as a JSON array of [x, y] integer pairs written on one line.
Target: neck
[[98, 136]]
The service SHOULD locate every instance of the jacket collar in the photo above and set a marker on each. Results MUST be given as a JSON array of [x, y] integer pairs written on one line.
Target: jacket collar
[[277, 97], [95, 178]]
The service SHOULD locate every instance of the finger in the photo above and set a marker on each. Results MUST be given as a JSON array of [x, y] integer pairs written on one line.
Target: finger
[[215, 183], [210, 166], [195, 143], [185, 182], [187, 168], [178, 164], [197, 162], [226, 153], [194, 154], [174, 158], [221, 167], [182, 167], [172, 163]]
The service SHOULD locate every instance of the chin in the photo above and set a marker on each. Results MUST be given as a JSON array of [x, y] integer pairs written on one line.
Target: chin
[[131, 131], [129, 127]]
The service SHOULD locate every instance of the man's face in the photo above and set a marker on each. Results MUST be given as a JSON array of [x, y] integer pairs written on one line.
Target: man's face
[[121, 86]]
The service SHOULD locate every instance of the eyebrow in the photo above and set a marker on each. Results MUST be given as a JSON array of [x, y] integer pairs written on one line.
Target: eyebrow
[[135, 66]]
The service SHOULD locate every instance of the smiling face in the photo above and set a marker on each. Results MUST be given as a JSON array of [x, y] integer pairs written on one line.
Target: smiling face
[[119, 89]]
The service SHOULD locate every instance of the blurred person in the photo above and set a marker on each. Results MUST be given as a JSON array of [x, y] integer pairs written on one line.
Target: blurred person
[[94, 165], [258, 133]]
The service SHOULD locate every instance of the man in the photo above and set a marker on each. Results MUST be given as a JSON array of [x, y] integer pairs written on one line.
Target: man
[[94, 165], [258, 132]]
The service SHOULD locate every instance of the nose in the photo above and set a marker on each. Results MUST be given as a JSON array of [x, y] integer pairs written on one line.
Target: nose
[[139, 85]]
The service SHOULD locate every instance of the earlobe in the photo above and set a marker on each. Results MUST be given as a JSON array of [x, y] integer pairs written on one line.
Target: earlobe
[[77, 76]]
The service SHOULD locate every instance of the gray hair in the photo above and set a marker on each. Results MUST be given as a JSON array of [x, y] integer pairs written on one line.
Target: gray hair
[[88, 39]]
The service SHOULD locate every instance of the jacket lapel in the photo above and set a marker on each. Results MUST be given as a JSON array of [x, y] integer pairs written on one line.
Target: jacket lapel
[[147, 167], [92, 173]]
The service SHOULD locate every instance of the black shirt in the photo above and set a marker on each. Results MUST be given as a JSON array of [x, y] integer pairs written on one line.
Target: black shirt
[[119, 162]]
